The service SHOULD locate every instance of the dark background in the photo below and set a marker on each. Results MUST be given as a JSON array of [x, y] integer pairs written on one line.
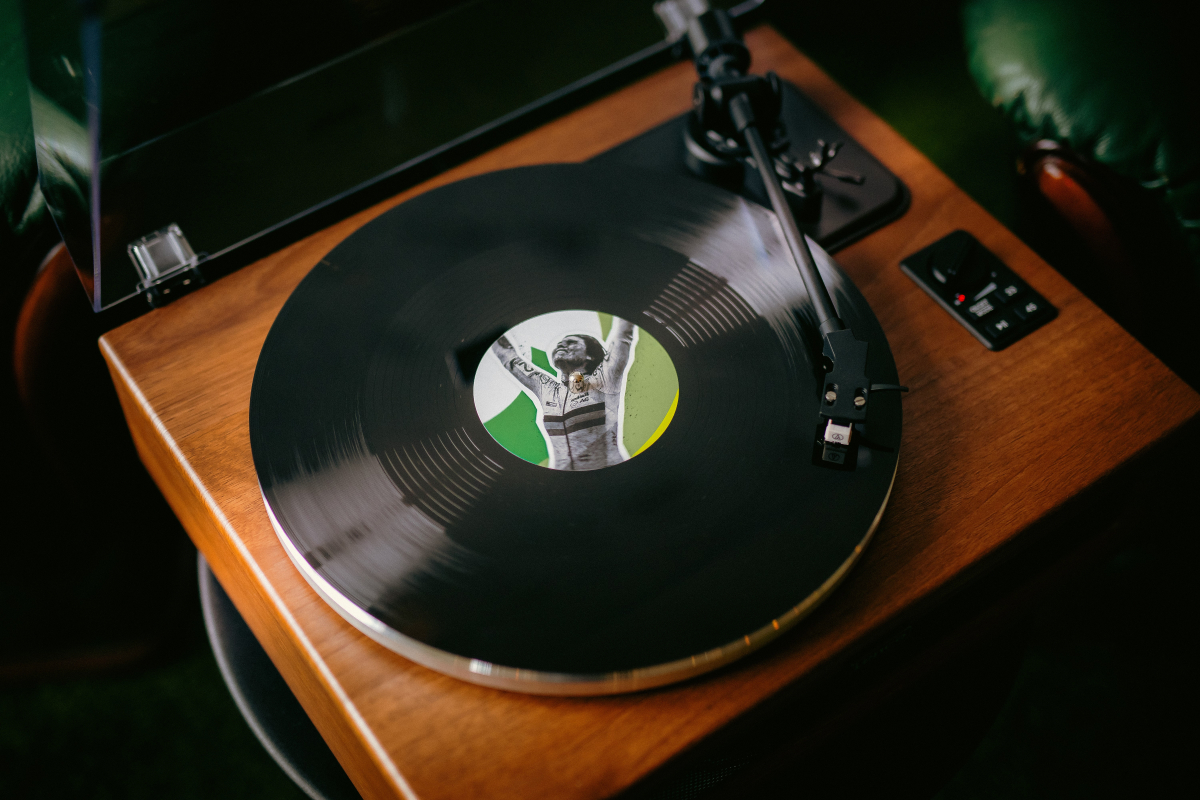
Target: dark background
[[1102, 703]]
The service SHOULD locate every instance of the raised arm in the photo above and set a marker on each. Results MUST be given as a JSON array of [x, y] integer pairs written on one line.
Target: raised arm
[[620, 341], [521, 369]]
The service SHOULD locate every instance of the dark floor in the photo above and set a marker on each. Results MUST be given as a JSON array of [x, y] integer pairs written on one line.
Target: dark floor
[[1105, 700], [1103, 703], [171, 732]]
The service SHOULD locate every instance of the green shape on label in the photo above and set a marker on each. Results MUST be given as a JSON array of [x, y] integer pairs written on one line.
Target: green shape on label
[[540, 360], [650, 390], [605, 325], [515, 428]]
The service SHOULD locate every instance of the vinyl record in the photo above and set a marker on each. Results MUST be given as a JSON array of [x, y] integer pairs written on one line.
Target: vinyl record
[[551, 429]]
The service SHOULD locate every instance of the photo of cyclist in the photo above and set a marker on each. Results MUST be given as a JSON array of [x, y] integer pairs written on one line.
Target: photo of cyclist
[[581, 407]]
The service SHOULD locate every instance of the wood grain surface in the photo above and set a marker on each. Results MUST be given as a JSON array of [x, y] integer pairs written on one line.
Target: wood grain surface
[[993, 442]]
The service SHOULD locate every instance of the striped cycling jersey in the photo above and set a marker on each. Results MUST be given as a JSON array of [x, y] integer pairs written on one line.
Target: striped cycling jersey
[[584, 426], [585, 416]]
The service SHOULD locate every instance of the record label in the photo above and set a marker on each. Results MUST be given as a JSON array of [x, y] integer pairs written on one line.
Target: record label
[[576, 390]]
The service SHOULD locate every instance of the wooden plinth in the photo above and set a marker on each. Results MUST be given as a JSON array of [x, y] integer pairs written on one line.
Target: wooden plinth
[[993, 443]]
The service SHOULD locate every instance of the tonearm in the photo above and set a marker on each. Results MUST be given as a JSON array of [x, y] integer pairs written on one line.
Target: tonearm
[[734, 114]]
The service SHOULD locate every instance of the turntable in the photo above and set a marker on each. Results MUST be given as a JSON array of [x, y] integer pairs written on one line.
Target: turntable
[[204, 380]]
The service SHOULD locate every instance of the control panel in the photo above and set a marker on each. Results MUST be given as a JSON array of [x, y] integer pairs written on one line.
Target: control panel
[[978, 290]]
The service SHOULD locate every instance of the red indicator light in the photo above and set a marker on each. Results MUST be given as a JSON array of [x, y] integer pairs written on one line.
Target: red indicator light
[[961, 298]]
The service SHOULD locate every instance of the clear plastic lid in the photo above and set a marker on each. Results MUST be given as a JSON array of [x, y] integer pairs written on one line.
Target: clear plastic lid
[[208, 132]]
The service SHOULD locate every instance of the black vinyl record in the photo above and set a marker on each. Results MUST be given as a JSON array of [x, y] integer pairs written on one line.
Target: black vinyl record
[[405, 508]]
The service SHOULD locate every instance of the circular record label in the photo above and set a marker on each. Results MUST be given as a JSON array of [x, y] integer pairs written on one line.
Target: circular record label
[[576, 390]]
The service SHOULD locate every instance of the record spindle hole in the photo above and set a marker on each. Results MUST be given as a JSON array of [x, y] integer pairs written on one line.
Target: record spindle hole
[[466, 359]]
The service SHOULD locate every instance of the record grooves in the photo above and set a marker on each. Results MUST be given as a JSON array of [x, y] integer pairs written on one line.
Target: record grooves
[[656, 538]]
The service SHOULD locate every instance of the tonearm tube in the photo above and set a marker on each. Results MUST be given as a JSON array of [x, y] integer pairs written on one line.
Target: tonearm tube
[[734, 115]]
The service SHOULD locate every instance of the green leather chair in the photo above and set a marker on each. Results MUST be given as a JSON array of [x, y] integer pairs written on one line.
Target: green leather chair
[[26, 232], [97, 572], [1103, 94]]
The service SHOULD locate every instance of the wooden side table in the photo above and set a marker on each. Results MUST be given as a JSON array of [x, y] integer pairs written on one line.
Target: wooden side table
[[993, 444]]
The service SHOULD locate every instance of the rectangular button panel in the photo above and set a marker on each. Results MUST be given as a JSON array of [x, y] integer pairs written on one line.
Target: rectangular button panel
[[978, 290]]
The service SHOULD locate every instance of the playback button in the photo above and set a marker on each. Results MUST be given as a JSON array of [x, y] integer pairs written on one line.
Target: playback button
[[1000, 327], [1010, 292], [981, 308], [1028, 309]]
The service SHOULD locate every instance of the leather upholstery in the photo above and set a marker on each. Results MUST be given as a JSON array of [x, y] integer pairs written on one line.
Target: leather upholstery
[[96, 572], [22, 209], [1115, 81]]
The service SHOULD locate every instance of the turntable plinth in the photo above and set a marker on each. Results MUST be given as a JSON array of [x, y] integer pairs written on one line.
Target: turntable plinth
[[997, 446]]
